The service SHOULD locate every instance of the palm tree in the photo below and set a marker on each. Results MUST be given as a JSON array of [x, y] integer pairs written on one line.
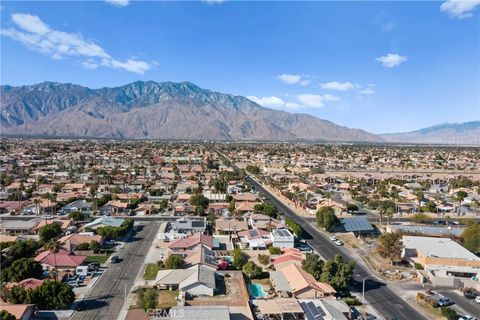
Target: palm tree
[[53, 246], [93, 194], [37, 202]]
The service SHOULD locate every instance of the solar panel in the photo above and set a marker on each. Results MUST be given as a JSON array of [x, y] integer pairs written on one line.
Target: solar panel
[[357, 224], [312, 311], [197, 224]]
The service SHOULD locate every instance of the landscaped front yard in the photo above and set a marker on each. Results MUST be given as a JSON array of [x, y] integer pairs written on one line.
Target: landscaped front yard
[[100, 258], [151, 271]]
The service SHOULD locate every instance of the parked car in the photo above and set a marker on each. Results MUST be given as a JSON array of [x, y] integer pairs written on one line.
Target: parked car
[[333, 238], [114, 259], [477, 299], [110, 242], [467, 317], [338, 242], [471, 294], [444, 301], [93, 266]]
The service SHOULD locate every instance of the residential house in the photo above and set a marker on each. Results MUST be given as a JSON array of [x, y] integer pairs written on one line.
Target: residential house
[[186, 225], [292, 279], [198, 280], [62, 260], [254, 239], [104, 222], [282, 238]]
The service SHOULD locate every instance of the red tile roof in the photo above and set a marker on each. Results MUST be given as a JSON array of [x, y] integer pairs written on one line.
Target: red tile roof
[[188, 242], [62, 259]]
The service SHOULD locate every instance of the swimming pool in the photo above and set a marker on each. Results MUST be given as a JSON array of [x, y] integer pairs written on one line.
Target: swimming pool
[[256, 291]]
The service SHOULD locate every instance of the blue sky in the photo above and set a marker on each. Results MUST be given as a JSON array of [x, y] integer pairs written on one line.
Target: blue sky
[[379, 66]]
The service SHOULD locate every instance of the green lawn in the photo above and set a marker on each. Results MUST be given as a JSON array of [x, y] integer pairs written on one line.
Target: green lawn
[[100, 258], [151, 271]]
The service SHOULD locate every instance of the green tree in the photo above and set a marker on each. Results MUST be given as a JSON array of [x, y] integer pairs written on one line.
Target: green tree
[[264, 259], [313, 265], [252, 270], [326, 218], [239, 258], [49, 231], [53, 295], [337, 272], [174, 261], [461, 195], [147, 298], [471, 238], [390, 246], [22, 269], [449, 313], [199, 200], [53, 246], [296, 229], [420, 218], [274, 250], [5, 315], [76, 216]]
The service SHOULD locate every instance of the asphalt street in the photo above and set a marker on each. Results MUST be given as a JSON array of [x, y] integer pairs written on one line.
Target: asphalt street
[[469, 305], [377, 293], [107, 296]]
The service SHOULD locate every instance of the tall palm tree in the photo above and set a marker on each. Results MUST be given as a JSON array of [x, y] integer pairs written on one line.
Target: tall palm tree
[[93, 194], [37, 202], [53, 246]]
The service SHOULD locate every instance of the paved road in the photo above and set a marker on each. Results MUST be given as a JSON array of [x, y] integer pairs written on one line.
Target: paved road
[[106, 298], [469, 305], [384, 300]]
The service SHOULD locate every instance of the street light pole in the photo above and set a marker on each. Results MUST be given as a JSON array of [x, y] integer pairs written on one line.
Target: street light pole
[[363, 289]]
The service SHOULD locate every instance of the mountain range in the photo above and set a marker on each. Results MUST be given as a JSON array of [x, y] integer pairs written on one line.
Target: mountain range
[[446, 133], [151, 110], [175, 111]]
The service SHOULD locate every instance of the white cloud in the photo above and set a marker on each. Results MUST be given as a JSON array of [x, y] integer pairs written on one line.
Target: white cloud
[[391, 60], [339, 86], [294, 79], [460, 8], [271, 101], [118, 3], [315, 100], [368, 91], [30, 23], [289, 78], [36, 35]]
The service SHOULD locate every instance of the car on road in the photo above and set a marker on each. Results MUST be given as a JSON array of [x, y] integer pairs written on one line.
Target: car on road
[[338, 242], [471, 294], [333, 238], [444, 301], [467, 317], [477, 299], [114, 259]]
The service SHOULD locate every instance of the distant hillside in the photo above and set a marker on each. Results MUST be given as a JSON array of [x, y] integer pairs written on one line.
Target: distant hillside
[[467, 133], [154, 110]]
